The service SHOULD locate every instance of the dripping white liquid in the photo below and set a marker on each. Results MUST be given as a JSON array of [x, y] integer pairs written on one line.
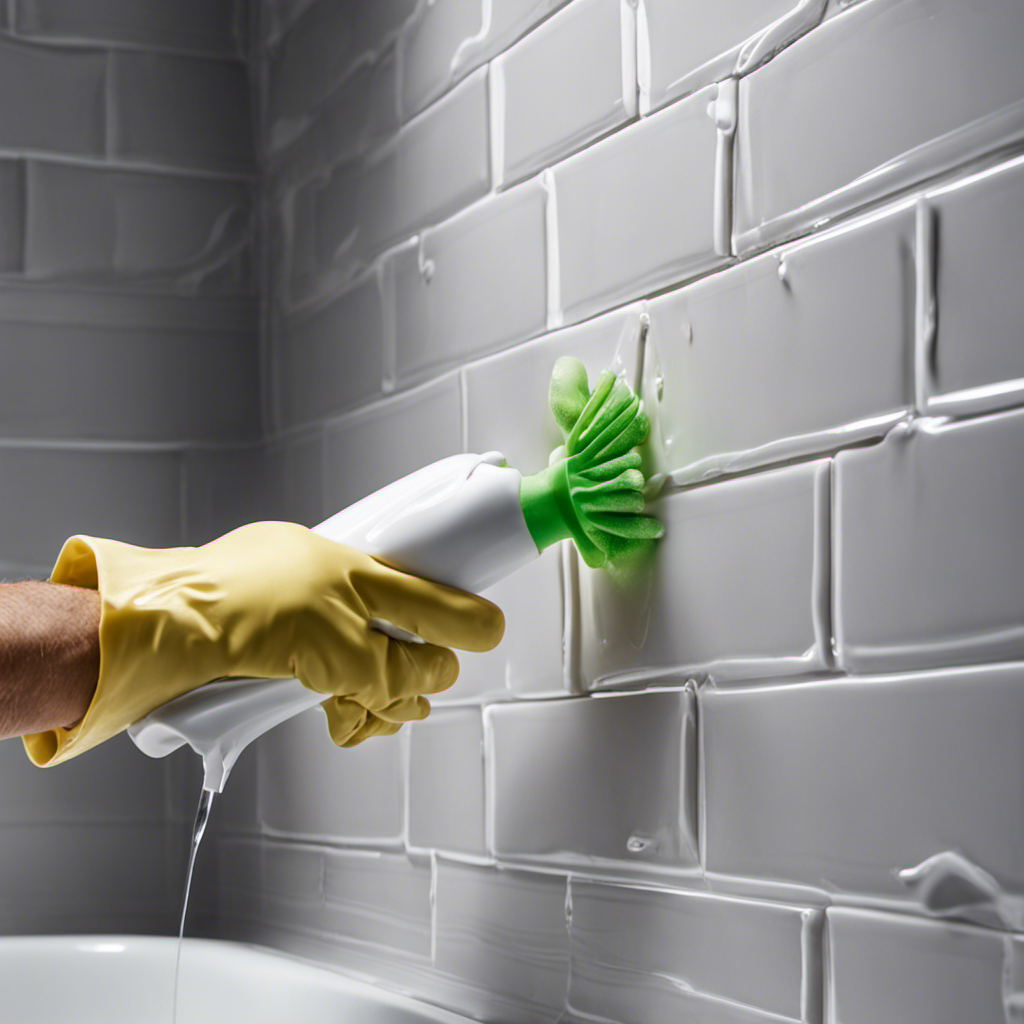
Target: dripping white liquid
[[202, 817]]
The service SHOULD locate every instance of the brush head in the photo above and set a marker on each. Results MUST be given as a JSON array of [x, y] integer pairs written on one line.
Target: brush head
[[593, 489]]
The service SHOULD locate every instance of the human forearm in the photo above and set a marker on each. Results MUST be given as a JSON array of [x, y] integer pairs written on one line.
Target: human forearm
[[49, 655]]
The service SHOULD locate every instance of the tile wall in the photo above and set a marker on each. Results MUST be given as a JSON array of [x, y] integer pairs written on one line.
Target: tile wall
[[778, 778], [128, 354]]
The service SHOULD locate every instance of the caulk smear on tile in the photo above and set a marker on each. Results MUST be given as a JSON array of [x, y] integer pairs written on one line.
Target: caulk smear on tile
[[779, 33], [925, 304], [722, 110], [949, 885]]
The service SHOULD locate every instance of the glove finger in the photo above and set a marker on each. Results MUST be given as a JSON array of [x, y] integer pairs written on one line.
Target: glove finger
[[349, 723], [441, 615], [414, 669]]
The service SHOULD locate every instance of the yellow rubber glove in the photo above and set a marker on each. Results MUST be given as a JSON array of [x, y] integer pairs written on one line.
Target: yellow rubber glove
[[267, 599]]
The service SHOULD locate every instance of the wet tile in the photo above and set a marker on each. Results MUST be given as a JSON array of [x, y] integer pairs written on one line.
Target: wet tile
[[781, 356], [928, 553], [686, 45], [180, 111], [595, 782], [446, 782], [310, 788], [884, 967], [884, 749], [832, 98], [738, 587], [564, 85], [458, 296], [502, 943], [651, 955], [379, 444], [980, 222], [635, 211]]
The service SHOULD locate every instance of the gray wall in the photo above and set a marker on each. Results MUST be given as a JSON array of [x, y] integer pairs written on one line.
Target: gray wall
[[128, 350]]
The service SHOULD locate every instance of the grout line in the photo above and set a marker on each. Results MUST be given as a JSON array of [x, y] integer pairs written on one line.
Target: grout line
[[925, 301], [139, 166]]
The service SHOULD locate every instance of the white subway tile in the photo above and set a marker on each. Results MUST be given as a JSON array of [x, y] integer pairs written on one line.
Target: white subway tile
[[378, 900], [433, 167], [291, 887], [55, 98], [596, 782], [446, 39], [501, 387], [502, 944], [653, 955], [52, 493], [12, 216], [370, 448], [885, 967], [127, 385], [929, 559], [186, 24], [855, 110], [110, 783], [237, 808], [529, 660], [564, 85], [328, 358], [738, 587], [687, 45], [180, 111], [98, 226], [476, 283], [841, 784], [309, 787], [980, 249], [297, 470], [781, 355], [635, 212], [446, 782]]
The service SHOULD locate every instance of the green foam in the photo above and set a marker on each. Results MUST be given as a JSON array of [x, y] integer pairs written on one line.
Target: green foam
[[594, 493]]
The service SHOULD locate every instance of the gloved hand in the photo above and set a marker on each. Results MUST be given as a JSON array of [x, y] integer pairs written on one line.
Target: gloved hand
[[268, 599]]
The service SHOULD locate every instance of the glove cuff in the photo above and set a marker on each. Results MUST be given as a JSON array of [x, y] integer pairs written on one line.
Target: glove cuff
[[152, 638]]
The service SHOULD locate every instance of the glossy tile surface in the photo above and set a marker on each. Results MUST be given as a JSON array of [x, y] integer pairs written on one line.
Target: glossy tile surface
[[446, 782], [329, 358], [309, 787], [781, 356], [737, 588], [157, 116], [977, 340], [884, 967], [456, 293], [635, 211], [860, 101], [928, 552], [568, 82], [187, 24], [501, 938], [386, 440], [380, 900], [650, 955], [686, 45], [67, 110], [94, 225], [892, 751], [594, 781]]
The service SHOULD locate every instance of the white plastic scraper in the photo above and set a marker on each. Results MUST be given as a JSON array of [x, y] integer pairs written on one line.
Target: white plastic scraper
[[467, 521]]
